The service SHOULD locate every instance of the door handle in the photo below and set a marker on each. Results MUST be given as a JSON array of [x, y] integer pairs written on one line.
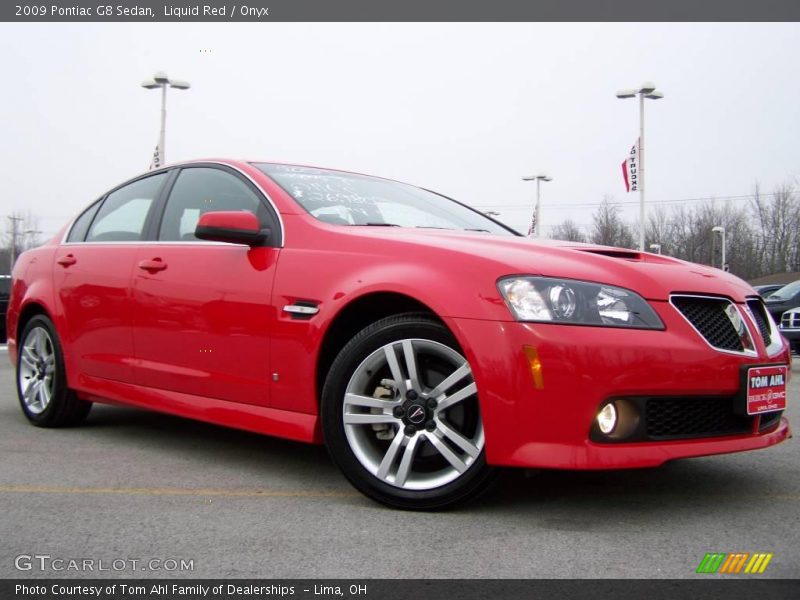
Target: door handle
[[153, 265], [66, 261]]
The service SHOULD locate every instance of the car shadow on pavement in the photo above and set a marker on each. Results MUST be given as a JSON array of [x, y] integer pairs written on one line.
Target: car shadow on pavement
[[691, 483], [203, 442]]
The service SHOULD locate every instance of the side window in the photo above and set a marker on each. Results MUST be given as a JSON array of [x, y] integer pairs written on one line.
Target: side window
[[199, 190], [123, 213], [81, 225]]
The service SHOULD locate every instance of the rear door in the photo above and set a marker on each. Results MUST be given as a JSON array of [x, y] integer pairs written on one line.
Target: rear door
[[92, 276], [202, 309]]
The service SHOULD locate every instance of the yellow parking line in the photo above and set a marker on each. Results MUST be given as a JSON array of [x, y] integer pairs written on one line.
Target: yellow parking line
[[49, 489], [44, 489]]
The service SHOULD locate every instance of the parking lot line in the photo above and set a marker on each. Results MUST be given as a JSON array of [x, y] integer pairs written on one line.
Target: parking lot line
[[42, 489], [133, 491]]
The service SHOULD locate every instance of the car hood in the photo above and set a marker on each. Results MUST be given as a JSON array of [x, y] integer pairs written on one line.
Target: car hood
[[653, 276]]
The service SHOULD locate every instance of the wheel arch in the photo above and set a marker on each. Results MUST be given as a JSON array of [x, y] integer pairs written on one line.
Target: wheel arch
[[31, 309], [355, 316], [26, 313]]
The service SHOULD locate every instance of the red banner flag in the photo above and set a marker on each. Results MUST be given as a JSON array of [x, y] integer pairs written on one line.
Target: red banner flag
[[630, 169]]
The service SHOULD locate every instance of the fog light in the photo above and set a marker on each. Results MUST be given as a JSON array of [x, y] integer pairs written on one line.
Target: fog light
[[607, 418]]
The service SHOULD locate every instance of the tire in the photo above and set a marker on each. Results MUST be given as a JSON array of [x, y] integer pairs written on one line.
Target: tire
[[417, 444], [41, 378]]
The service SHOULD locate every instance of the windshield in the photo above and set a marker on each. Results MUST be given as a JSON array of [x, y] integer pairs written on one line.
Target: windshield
[[347, 199], [787, 291]]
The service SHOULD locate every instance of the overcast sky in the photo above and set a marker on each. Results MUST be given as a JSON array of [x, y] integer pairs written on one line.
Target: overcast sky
[[464, 109]]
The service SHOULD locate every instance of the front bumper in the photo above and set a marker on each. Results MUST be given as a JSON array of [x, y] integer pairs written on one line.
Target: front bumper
[[549, 426]]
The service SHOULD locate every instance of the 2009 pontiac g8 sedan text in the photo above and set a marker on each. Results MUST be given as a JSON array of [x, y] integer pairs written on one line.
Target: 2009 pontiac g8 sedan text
[[424, 343]]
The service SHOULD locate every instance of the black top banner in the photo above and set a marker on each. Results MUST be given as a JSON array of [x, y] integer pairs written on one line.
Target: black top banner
[[150, 11]]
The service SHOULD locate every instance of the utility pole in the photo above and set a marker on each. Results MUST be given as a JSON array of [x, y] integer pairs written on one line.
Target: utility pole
[[13, 249]]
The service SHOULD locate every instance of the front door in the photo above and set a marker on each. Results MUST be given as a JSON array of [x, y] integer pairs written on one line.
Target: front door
[[202, 309]]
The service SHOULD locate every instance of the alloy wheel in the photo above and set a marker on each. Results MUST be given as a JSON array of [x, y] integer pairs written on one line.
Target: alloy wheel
[[37, 370], [411, 415]]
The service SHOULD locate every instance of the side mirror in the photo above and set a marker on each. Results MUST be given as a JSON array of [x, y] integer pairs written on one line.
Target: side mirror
[[233, 227]]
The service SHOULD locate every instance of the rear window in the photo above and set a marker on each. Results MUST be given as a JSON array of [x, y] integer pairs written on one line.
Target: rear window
[[82, 223], [122, 216]]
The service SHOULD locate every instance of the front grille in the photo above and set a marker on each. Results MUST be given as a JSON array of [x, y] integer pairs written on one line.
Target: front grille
[[671, 418], [708, 316], [790, 319], [760, 316]]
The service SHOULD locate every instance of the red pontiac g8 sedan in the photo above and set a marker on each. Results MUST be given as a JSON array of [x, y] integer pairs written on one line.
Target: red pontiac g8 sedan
[[423, 342]]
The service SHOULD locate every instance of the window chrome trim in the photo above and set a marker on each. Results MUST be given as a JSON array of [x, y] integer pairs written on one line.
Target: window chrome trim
[[747, 321], [198, 163], [156, 243]]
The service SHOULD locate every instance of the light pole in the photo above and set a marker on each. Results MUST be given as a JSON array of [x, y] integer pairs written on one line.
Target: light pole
[[721, 230], [537, 211], [647, 90], [656, 248], [160, 80], [12, 256]]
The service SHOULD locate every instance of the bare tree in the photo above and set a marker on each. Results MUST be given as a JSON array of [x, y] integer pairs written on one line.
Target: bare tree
[[658, 229], [608, 228], [761, 238], [777, 218], [568, 231]]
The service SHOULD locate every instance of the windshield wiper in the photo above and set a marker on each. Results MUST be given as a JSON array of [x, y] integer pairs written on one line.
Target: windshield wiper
[[376, 225], [481, 230]]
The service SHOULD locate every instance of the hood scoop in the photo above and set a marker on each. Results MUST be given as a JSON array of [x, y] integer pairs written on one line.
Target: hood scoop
[[614, 253]]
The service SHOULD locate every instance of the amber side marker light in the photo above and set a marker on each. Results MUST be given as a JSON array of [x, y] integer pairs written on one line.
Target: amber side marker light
[[535, 365]]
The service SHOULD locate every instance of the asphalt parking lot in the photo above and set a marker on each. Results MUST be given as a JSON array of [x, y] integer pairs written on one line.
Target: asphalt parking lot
[[133, 485]]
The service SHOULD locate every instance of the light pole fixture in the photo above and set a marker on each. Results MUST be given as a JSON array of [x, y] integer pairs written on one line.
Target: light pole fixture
[[656, 248], [646, 90], [161, 81], [721, 230], [535, 228]]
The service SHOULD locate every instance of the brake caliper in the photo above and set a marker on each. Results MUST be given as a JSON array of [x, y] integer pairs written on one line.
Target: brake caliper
[[385, 391]]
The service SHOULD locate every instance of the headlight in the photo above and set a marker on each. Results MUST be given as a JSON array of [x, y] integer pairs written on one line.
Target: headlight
[[577, 303]]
